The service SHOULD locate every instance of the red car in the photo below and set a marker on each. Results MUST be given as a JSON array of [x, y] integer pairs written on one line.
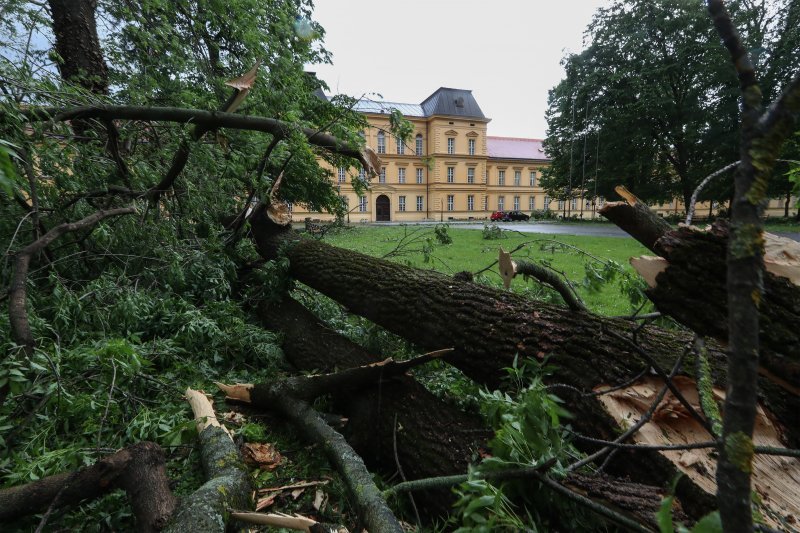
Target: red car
[[498, 215]]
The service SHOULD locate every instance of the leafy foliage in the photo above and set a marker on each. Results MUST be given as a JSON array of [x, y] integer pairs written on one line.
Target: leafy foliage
[[528, 432], [656, 98], [493, 232]]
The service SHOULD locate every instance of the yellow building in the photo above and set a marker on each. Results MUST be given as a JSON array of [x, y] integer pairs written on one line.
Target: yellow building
[[450, 169]]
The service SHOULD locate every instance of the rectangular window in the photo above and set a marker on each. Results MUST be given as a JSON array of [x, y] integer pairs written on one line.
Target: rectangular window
[[516, 203], [451, 145], [485, 203], [420, 175], [501, 203], [450, 202], [470, 175], [401, 175], [574, 204], [401, 203], [419, 145], [533, 178], [472, 147], [289, 206], [401, 148], [362, 204], [381, 142], [501, 177], [382, 178], [517, 178], [451, 174], [470, 203], [531, 203], [342, 174], [561, 205], [419, 203], [547, 203]]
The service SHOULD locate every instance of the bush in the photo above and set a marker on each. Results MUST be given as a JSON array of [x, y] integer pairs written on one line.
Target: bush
[[543, 214]]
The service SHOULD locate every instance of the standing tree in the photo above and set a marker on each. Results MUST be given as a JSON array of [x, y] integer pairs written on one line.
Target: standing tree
[[656, 98]]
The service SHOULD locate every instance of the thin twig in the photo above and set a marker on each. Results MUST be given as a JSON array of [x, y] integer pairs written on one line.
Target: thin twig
[[638, 425], [108, 403], [660, 372], [400, 471]]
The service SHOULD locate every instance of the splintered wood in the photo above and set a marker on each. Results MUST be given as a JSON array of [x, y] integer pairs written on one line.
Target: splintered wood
[[775, 479]]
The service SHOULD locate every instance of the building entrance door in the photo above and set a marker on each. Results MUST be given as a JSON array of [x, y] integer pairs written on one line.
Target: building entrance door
[[382, 208]]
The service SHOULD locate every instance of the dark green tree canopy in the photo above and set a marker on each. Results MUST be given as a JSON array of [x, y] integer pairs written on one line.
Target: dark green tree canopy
[[654, 101]]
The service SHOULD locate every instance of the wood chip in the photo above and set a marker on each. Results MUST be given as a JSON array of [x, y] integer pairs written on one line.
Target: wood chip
[[262, 455]]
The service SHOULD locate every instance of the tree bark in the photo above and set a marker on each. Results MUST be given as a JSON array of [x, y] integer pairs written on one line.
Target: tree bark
[[77, 43], [138, 469], [433, 438], [697, 259], [227, 483], [489, 328]]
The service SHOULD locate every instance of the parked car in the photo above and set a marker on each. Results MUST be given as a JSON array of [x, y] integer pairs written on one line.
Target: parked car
[[516, 215], [498, 215]]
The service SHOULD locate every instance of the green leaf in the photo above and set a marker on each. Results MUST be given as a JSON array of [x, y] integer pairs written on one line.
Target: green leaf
[[710, 523]]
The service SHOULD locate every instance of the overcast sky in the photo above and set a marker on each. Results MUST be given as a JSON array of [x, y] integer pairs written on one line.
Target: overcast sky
[[508, 52]]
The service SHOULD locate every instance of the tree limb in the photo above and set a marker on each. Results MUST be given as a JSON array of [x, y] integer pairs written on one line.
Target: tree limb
[[18, 316], [208, 119]]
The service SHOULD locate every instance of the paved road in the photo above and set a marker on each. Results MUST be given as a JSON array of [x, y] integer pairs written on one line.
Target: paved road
[[591, 230], [559, 228]]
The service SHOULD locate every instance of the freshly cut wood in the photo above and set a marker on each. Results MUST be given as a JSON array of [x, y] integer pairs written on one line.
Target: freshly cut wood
[[635, 218], [775, 479], [228, 481], [489, 328]]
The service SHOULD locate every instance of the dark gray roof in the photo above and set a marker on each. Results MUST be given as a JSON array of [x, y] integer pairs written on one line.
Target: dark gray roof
[[445, 101], [454, 102]]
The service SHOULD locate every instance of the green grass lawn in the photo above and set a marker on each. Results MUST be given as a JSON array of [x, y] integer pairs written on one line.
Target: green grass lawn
[[469, 251]]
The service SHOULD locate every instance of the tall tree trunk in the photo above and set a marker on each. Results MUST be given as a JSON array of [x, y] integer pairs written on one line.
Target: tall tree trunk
[[77, 44]]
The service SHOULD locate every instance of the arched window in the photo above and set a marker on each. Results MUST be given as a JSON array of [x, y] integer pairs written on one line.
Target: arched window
[[419, 144], [381, 142]]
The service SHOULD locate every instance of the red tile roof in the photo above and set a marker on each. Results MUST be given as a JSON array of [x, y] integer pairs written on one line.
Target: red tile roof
[[515, 148]]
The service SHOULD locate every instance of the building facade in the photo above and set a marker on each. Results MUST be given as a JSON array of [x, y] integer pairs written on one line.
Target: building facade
[[449, 169], [452, 169]]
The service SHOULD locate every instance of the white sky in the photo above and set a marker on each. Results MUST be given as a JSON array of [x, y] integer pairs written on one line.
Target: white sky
[[507, 52]]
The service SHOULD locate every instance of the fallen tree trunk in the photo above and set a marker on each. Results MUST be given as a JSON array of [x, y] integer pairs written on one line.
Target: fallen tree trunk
[[488, 328], [689, 284], [431, 438]]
